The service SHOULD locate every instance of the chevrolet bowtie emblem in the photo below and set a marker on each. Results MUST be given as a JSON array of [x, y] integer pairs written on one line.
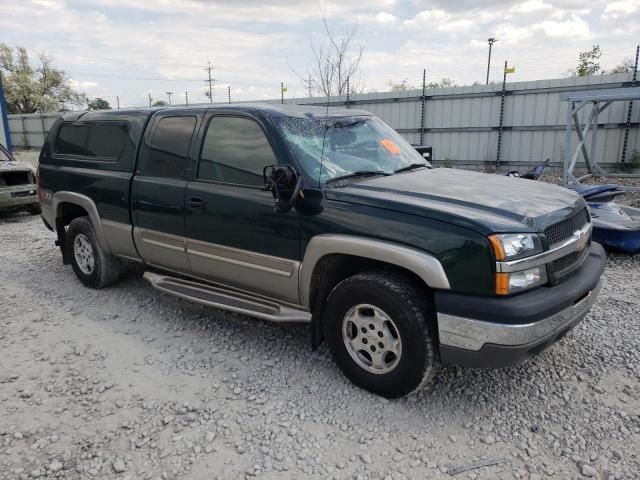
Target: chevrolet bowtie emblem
[[581, 238]]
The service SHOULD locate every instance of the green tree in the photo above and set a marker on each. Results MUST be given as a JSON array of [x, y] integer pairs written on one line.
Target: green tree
[[29, 89], [626, 66], [98, 104], [444, 83], [401, 86], [589, 62], [159, 103]]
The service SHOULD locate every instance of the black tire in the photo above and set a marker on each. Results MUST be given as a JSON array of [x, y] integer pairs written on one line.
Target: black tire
[[106, 268], [413, 317], [34, 209]]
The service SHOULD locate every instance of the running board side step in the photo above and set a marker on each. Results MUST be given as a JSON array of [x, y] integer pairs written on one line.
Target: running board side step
[[224, 299]]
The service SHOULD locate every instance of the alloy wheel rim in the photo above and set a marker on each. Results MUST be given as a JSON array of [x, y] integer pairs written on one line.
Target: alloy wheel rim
[[371, 338], [83, 254]]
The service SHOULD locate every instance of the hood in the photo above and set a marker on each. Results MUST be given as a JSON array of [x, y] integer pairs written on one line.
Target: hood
[[13, 166], [484, 202]]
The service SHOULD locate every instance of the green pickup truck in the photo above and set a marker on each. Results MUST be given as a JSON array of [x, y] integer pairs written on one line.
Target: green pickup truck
[[326, 216]]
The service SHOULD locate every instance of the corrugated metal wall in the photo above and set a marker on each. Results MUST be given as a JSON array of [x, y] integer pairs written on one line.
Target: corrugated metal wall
[[461, 123], [30, 130]]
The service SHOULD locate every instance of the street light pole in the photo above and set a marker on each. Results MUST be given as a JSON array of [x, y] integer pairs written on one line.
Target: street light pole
[[169, 93], [491, 42]]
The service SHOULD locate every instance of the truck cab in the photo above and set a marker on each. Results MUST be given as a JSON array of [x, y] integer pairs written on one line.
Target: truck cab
[[325, 216]]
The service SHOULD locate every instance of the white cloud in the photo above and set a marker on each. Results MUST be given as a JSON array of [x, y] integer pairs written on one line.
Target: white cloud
[[427, 18], [163, 45], [572, 27], [511, 34], [384, 17], [532, 6], [626, 6], [81, 84]]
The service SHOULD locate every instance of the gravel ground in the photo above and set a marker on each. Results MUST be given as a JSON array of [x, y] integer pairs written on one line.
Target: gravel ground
[[127, 382]]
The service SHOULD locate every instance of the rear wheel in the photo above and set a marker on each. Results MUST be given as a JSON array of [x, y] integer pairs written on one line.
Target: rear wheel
[[93, 267], [379, 327]]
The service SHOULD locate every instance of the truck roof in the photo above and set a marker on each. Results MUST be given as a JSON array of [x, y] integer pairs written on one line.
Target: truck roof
[[266, 109]]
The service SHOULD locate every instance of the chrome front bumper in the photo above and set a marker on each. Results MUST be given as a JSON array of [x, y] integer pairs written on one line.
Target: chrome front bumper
[[472, 335]]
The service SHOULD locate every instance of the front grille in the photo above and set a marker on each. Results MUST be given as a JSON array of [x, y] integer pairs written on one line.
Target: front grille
[[565, 262], [563, 266], [24, 193], [561, 231]]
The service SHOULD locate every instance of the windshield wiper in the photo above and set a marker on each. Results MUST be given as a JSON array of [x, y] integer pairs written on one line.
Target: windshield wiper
[[359, 173], [411, 167]]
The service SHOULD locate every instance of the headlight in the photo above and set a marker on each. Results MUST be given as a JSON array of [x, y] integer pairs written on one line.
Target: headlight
[[512, 246], [514, 282]]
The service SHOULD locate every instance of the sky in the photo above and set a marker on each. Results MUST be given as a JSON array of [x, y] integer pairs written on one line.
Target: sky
[[131, 49]]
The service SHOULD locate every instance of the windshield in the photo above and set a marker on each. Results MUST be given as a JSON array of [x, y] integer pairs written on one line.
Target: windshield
[[351, 145]]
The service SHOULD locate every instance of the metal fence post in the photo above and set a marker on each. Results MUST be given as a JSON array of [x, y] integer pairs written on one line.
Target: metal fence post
[[567, 143], [347, 104], [44, 130], [623, 158], [424, 86], [25, 140], [504, 89]]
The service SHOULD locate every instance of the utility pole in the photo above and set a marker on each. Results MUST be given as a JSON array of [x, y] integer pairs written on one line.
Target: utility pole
[[118, 101], [491, 42], [281, 93], [169, 93], [229, 92], [186, 97], [210, 81], [149, 99], [309, 86]]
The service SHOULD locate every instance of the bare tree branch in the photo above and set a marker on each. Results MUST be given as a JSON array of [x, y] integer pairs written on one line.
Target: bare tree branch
[[335, 62]]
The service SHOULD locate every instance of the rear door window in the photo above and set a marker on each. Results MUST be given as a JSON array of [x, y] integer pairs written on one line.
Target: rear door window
[[169, 147], [71, 139]]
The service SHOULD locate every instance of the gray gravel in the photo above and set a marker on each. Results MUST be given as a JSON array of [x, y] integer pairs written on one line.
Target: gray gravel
[[128, 383]]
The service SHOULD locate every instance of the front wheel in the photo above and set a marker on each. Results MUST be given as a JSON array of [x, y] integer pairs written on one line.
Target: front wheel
[[379, 327]]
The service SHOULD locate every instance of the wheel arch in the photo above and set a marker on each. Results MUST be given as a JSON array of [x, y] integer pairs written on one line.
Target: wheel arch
[[321, 247], [70, 205], [329, 259]]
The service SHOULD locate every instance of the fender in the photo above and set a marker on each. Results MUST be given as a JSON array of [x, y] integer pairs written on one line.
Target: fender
[[86, 203], [424, 265]]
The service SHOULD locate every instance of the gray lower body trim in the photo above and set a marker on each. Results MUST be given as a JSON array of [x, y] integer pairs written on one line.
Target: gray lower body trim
[[265, 263], [161, 249], [264, 274], [471, 334], [119, 236]]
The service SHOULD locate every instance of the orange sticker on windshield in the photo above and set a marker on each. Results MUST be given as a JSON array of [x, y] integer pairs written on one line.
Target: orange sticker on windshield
[[391, 147]]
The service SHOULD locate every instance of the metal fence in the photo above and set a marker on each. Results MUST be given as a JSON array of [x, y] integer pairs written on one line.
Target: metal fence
[[463, 123]]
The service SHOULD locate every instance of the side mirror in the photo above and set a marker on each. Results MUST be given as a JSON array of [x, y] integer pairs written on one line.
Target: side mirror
[[285, 185]]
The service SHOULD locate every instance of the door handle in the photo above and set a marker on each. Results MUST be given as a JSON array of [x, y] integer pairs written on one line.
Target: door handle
[[195, 202]]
